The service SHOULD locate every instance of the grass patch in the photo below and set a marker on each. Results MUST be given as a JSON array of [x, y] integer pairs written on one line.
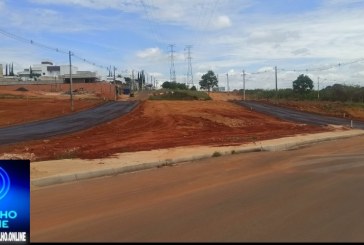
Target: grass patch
[[179, 95], [168, 163], [216, 154], [68, 154], [11, 96]]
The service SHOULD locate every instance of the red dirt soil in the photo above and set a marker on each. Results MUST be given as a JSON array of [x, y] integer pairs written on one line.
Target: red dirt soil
[[15, 111], [100, 90], [164, 124], [39, 102]]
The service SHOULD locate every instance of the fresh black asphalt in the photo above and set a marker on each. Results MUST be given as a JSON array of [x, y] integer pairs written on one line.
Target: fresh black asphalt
[[66, 124], [109, 111], [298, 116]]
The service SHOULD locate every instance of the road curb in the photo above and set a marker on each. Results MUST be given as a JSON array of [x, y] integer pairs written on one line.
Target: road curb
[[269, 146]]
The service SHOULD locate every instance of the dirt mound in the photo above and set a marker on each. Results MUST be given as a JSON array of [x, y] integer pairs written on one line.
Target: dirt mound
[[21, 89]]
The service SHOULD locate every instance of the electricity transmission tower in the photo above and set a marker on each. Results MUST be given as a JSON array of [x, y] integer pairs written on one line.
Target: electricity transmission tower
[[172, 72], [189, 68]]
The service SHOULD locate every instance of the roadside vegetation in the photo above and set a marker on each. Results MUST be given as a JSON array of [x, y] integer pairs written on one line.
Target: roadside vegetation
[[167, 94], [302, 89], [337, 100], [178, 91], [336, 92], [216, 154]]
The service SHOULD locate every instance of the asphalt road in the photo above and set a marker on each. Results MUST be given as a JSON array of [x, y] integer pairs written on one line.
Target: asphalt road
[[66, 124], [298, 116], [313, 194]]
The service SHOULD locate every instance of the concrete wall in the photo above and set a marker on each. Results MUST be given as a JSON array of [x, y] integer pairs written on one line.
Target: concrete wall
[[65, 69]]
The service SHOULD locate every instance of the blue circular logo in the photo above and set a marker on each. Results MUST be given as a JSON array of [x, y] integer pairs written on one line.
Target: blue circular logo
[[4, 183]]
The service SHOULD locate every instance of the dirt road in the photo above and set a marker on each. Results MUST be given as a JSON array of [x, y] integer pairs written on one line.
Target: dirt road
[[313, 194]]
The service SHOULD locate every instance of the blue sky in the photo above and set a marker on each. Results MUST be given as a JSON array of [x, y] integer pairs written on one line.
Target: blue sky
[[227, 36]]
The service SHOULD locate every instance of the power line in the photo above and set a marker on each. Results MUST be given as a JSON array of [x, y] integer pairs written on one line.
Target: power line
[[324, 68], [172, 72], [150, 20], [227, 82], [206, 19], [38, 44], [22, 39], [189, 66]]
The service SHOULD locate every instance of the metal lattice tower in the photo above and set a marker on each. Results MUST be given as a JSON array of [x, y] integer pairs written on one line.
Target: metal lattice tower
[[189, 68], [172, 71]]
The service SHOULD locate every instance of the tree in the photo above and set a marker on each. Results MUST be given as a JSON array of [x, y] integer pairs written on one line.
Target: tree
[[30, 72], [193, 88], [303, 84], [208, 81], [174, 85], [12, 69], [127, 79], [166, 85], [141, 79]]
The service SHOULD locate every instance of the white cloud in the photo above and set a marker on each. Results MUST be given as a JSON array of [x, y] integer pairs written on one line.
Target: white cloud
[[149, 53], [126, 5], [272, 36], [301, 51], [226, 36], [50, 20], [221, 22], [156, 74], [199, 14], [266, 69]]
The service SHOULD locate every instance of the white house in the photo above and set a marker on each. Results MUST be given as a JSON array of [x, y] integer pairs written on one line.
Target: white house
[[47, 70]]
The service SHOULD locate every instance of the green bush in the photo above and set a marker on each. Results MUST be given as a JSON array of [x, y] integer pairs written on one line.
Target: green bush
[[216, 154], [336, 92], [179, 95]]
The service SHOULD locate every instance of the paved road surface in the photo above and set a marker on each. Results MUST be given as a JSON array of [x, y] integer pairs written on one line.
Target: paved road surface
[[298, 116], [310, 194], [65, 124]]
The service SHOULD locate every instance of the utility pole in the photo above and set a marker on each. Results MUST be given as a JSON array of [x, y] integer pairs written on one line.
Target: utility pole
[[275, 69], [227, 81], [217, 78], [318, 88], [71, 92], [132, 80], [172, 71], [244, 84], [189, 67], [115, 85]]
